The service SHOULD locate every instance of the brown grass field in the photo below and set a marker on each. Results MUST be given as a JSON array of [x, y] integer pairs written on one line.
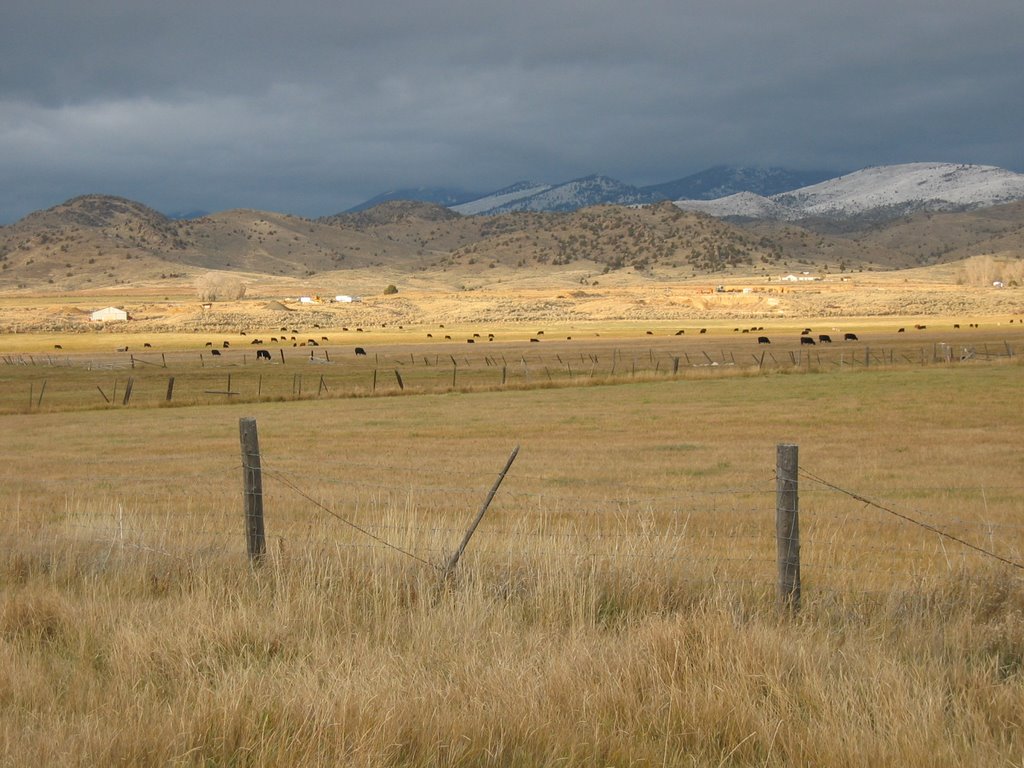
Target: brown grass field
[[616, 606]]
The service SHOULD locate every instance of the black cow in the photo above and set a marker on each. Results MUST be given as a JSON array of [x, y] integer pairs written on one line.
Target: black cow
[[262, 354], [902, 330], [703, 330], [850, 337], [824, 338], [215, 352], [226, 344], [805, 332], [535, 340], [471, 341], [209, 343], [650, 333], [57, 346], [806, 340], [360, 351], [680, 333], [312, 343], [763, 340], [147, 344]]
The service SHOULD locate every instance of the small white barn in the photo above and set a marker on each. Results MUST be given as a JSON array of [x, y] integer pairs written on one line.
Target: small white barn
[[345, 299], [108, 314]]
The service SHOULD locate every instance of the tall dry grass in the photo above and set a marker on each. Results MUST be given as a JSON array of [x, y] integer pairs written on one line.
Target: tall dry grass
[[616, 607]]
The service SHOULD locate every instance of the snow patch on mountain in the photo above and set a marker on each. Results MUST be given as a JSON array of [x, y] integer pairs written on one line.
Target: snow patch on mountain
[[506, 196], [580, 193], [741, 205]]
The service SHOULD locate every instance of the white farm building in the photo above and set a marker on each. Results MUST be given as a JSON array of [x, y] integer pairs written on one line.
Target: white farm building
[[108, 314]]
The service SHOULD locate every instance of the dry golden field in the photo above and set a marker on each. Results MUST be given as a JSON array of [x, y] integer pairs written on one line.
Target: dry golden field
[[617, 604]]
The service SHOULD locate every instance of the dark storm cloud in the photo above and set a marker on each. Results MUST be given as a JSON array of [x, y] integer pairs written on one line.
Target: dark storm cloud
[[309, 107]]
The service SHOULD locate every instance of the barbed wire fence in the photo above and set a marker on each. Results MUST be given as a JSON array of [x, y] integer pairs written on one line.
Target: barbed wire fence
[[723, 537], [153, 379]]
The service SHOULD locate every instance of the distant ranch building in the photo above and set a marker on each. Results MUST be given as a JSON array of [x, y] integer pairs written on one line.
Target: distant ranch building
[[108, 314]]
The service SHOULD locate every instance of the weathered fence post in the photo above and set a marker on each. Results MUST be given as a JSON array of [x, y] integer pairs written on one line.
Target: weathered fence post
[[170, 389], [787, 526], [252, 483], [457, 554]]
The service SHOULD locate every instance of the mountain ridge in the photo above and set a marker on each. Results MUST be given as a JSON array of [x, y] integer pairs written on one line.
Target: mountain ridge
[[101, 240]]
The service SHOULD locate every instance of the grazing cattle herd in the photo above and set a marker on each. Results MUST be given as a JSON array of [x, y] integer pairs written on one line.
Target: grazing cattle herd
[[806, 337]]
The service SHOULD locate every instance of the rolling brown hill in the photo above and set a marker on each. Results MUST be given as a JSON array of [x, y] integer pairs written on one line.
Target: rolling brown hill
[[97, 241]]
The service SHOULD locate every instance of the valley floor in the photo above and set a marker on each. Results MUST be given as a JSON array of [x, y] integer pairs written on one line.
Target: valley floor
[[618, 299]]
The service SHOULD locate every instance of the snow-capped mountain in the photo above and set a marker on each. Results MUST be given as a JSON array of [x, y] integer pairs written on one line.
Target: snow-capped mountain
[[596, 190], [887, 191]]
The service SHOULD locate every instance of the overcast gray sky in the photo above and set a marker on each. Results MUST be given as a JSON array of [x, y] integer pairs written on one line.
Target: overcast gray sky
[[312, 106]]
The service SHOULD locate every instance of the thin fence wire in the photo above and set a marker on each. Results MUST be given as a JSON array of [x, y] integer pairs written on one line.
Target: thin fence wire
[[724, 534]]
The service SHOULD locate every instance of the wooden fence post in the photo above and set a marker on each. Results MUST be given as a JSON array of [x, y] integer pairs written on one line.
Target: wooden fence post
[[252, 484], [457, 554], [787, 526], [170, 388]]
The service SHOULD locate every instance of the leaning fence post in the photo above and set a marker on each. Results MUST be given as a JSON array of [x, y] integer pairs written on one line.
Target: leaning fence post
[[787, 526], [454, 559], [252, 483]]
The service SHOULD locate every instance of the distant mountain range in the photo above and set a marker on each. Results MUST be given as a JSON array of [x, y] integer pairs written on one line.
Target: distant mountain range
[[602, 190], [897, 216]]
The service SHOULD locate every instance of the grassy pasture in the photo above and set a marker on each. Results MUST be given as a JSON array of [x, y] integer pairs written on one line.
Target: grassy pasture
[[616, 606]]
